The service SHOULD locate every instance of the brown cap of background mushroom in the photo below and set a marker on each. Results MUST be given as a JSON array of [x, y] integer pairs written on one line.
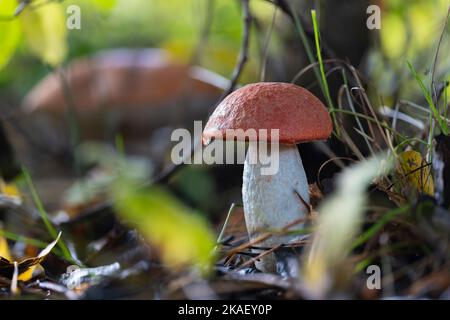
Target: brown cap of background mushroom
[[131, 91], [296, 112], [119, 78]]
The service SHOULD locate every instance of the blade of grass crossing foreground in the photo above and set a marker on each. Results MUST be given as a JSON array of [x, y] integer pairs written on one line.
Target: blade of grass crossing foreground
[[445, 106], [16, 237], [427, 94], [308, 50], [372, 231], [323, 77], [320, 75], [50, 228], [319, 57]]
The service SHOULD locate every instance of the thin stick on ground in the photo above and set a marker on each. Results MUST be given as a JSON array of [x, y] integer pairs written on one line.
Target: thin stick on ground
[[263, 237], [261, 255], [225, 224]]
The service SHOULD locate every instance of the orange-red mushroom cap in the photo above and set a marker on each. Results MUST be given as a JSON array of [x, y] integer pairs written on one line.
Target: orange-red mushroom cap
[[296, 112]]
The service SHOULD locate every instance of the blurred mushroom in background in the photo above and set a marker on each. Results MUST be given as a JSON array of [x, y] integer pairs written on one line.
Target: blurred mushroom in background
[[132, 92], [140, 94]]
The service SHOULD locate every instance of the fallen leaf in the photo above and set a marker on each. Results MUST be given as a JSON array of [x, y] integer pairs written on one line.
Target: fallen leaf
[[4, 249], [415, 169], [7, 267], [10, 190]]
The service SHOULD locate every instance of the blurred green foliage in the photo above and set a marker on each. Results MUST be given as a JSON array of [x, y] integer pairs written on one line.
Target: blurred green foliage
[[175, 25], [182, 237], [410, 32]]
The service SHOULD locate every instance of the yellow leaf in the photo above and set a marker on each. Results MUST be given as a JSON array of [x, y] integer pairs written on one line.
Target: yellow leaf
[[4, 249], [25, 276], [10, 31], [26, 267], [4, 253], [45, 30], [416, 172], [9, 190]]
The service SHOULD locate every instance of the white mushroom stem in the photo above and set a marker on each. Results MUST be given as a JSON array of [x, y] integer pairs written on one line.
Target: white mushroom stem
[[271, 202]]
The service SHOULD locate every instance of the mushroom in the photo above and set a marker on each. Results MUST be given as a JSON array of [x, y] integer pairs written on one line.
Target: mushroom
[[138, 89], [272, 201], [140, 93]]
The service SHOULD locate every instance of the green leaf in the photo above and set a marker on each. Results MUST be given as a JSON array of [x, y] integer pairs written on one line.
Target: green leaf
[[182, 237], [45, 30], [104, 4], [10, 31]]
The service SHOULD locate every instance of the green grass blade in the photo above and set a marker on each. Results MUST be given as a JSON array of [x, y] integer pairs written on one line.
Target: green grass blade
[[372, 231], [50, 228], [308, 49], [427, 94], [33, 242], [319, 57], [445, 106], [323, 77]]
